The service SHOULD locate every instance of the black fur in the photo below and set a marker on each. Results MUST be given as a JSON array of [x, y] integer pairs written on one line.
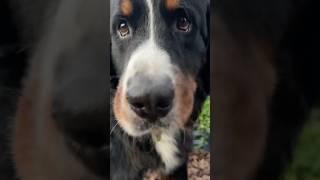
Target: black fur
[[184, 49]]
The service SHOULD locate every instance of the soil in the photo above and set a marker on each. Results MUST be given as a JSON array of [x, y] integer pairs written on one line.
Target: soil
[[199, 165]]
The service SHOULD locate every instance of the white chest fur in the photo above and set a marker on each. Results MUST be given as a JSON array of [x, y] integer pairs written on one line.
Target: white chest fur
[[166, 146]]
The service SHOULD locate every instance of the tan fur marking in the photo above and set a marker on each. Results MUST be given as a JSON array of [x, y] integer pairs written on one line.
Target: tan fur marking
[[172, 4], [126, 7], [119, 108], [185, 89]]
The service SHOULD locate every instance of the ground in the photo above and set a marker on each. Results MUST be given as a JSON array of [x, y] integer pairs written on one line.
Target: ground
[[199, 165]]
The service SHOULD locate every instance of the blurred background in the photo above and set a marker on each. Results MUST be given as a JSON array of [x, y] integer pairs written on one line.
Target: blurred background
[[306, 163]]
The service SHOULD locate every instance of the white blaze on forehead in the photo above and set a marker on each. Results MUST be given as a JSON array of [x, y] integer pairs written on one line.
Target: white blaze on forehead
[[149, 58], [151, 20]]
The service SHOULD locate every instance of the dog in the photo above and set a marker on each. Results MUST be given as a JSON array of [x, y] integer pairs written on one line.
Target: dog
[[12, 68], [265, 79], [58, 75], [160, 55]]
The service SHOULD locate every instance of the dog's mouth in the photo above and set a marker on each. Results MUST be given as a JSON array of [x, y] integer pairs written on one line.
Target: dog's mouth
[[143, 127]]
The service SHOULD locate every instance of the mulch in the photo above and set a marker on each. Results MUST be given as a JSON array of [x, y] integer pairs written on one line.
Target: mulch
[[199, 165]]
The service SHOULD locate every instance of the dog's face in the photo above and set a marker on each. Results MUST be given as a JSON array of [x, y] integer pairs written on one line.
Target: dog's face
[[158, 49]]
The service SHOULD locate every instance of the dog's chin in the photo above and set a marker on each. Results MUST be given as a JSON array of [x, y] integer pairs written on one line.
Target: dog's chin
[[138, 133], [135, 130], [142, 129]]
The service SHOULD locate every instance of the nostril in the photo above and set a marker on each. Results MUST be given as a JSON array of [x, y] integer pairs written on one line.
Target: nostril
[[164, 104], [137, 105], [163, 107], [136, 102]]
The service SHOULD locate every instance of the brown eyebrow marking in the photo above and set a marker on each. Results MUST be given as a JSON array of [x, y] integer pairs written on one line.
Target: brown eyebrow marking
[[172, 4], [126, 7]]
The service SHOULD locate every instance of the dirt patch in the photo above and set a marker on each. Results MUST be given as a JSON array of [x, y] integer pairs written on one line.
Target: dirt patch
[[199, 165]]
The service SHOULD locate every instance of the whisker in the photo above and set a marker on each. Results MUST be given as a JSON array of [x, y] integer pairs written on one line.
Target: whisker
[[114, 128]]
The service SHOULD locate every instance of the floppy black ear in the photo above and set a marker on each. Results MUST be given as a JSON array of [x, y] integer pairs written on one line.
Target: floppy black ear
[[205, 70], [204, 74]]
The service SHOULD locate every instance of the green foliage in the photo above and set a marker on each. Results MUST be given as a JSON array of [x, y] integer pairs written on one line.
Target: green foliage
[[202, 132], [204, 118], [306, 163]]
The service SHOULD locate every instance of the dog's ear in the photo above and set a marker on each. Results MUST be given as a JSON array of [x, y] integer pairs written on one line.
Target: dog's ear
[[205, 70], [204, 74]]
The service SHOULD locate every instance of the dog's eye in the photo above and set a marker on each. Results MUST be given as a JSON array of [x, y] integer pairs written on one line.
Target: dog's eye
[[183, 24], [123, 29]]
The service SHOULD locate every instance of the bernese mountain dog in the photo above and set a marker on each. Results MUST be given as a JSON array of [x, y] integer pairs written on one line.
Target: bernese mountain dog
[[160, 56], [266, 81], [56, 123]]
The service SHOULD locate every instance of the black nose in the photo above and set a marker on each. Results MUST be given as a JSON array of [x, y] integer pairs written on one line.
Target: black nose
[[150, 98]]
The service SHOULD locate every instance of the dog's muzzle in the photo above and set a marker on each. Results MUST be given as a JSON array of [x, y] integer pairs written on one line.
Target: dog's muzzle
[[149, 97]]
